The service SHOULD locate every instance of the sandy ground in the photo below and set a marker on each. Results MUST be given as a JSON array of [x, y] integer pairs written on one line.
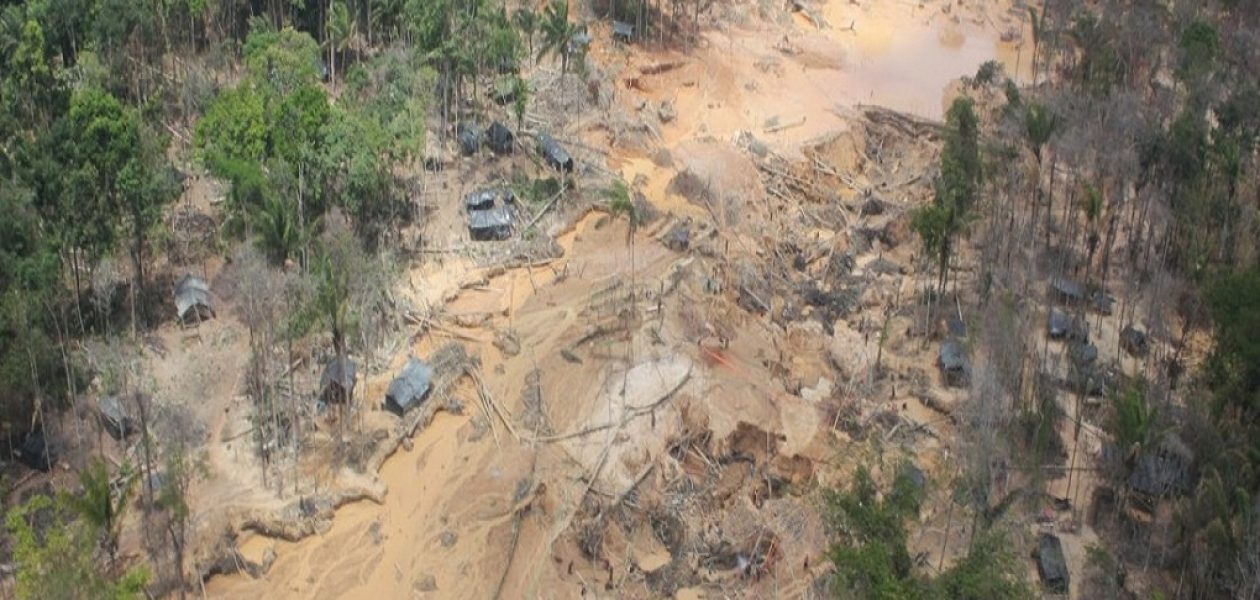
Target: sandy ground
[[649, 376]]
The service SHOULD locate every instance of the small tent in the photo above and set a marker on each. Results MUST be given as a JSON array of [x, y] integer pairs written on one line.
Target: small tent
[[953, 363], [469, 138], [1133, 341], [557, 157], [622, 31], [1082, 353], [1067, 290], [35, 452], [114, 417], [580, 41], [488, 198], [499, 138], [912, 472], [1163, 471], [482, 199], [1061, 325], [192, 299], [490, 225], [336, 385], [1051, 565], [410, 388], [1103, 302]]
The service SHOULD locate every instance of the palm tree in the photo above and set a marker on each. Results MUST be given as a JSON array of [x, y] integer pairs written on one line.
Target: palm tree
[[619, 203], [1039, 125], [526, 20], [98, 505], [340, 27], [279, 232], [557, 33]]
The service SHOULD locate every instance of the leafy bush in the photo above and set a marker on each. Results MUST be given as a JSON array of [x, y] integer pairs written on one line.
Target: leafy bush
[[872, 561]]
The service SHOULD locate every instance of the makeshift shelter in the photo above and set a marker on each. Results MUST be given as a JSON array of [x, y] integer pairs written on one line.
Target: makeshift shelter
[[1067, 290], [956, 327], [410, 388], [336, 385], [488, 198], [914, 474], [192, 299], [555, 156], [157, 480], [622, 32], [1061, 325], [480, 200], [1089, 379], [1103, 302], [36, 453], [499, 138], [1051, 564], [114, 417], [953, 363], [580, 41], [678, 238], [1165, 470], [490, 225], [469, 136], [1133, 341], [1082, 353]]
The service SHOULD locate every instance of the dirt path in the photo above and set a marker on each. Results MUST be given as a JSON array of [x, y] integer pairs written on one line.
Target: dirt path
[[471, 510]]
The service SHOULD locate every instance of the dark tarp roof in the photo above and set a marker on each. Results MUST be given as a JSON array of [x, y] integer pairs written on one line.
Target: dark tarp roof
[[1068, 289], [1057, 323], [914, 473], [622, 30], [480, 200], [953, 361], [1164, 470], [1133, 340], [469, 138], [556, 156], [1103, 302], [487, 198], [114, 416], [411, 386], [499, 138], [491, 224], [1082, 353], [953, 357], [678, 238], [1060, 324], [957, 328], [1089, 379], [1051, 565], [192, 292], [35, 453], [342, 371], [579, 41]]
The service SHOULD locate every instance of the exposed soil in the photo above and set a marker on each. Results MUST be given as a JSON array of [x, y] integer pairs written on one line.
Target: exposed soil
[[656, 417]]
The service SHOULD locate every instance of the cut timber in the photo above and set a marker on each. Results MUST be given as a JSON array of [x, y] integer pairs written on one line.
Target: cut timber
[[785, 126], [542, 211], [906, 124], [661, 67]]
